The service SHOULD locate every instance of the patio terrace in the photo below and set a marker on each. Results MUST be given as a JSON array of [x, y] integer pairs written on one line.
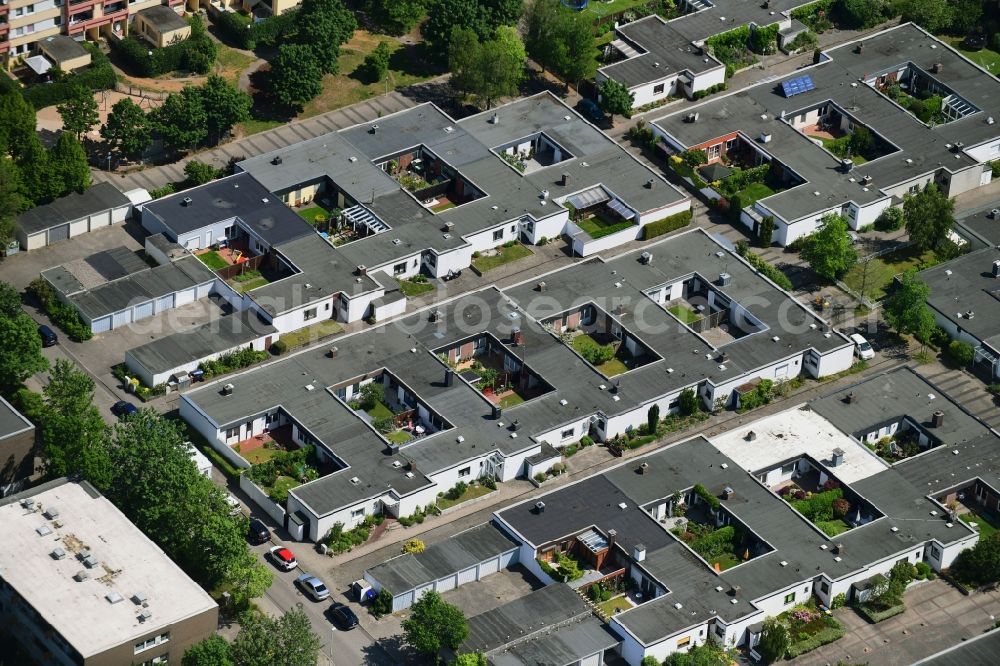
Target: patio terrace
[[491, 368], [600, 340]]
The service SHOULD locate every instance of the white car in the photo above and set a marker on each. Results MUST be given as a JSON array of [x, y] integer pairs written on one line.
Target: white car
[[862, 348], [235, 508], [283, 558]]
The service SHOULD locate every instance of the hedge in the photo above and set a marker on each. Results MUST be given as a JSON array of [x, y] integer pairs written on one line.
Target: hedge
[[818, 639], [62, 314], [196, 53], [667, 224], [875, 616], [767, 270], [741, 178], [238, 29], [100, 75]]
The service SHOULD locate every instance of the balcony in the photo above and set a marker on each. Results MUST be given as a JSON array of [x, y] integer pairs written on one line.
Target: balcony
[[74, 7]]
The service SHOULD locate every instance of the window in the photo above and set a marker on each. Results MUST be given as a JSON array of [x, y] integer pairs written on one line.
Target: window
[[326, 307], [935, 553], [683, 642], [513, 228], [160, 659], [498, 235], [658, 89], [824, 587], [788, 469], [232, 432], [731, 144], [309, 314], [790, 597], [720, 631], [566, 434], [151, 642], [465, 471], [357, 513], [713, 151], [399, 268]]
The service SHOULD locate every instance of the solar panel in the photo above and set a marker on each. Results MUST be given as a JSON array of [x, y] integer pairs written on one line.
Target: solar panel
[[798, 85]]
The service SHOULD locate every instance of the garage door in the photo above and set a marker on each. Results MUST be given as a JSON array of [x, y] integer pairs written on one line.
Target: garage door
[[446, 584], [419, 592], [101, 325], [402, 601], [165, 303], [489, 567], [204, 289], [592, 660], [59, 233], [467, 576], [184, 296], [121, 318], [143, 310]]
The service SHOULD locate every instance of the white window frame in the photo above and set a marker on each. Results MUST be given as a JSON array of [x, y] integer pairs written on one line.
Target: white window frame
[[151, 642]]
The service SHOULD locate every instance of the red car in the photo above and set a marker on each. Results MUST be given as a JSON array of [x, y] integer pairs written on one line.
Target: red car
[[283, 558]]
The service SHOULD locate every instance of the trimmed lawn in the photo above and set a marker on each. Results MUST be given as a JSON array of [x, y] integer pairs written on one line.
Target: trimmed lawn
[[511, 400], [882, 270], [230, 63], [504, 255], [988, 59], [282, 485], [598, 227], [212, 260], [259, 455], [411, 289], [609, 368], [440, 208], [309, 214], [831, 144], [602, 9], [684, 313], [247, 285], [986, 528], [399, 437], [406, 67], [611, 605], [380, 411], [833, 527], [725, 561], [754, 191], [253, 126], [471, 492], [312, 333]]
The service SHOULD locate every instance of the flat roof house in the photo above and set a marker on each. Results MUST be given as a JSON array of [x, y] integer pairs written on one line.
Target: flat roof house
[[160, 26], [635, 520], [804, 127], [82, 585]]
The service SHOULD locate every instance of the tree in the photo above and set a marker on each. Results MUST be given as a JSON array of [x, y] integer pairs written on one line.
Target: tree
[[981, 563], [576, 60], [482, 17], [542, 32], [470, 659], [40, 183], [688, 402], [774, 641], [72, 428], [965, 16], [615, 98], [288, 640], [68, 161], [490, 69], [414, 546], [864, 13], [79, 111], [961, 352], [181, 120], [213, 651], [906, 308], [17, 123], [928, 216], [199, 173], [653, 418], [766, 232], [829, 250], [10, 301], [434, 624], [376, 64], [225, 105], [296, 75], [21, 351], [323, 26], [372, 393], [396, 17], [932, 15], [127, 129], [891, 219]]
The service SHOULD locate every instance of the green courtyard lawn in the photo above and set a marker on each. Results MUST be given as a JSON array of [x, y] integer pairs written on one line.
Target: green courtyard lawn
[[471, 492], [259, 455], [511, 400], [399, 437], [684, 313], [725, 561], [600, 9], [988, 59], [598, 226], [836, 145], [609, 368], [833, 527], [247, 281], [281, 487], [309, 214], [882, 270], [412, 289], [312, 333], [986, 528], [754, 191], [504, 255], [611, 605], [212, 260], [380, 411]]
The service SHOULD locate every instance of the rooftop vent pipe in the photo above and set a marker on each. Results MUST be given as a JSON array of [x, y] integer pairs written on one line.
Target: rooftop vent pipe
[[937, 419]]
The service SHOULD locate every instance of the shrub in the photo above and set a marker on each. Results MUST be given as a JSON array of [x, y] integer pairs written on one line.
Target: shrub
[[598, 354], [961, 352], [710, 499], [586, 441], [29, 403], [694, 158], [372, 393], [828, 635], [765, 269], [62, 314], [159, 192], [819, 507], [279, 347], [558, 468], [381, 604], [667, 224], [688, 402], [456, 491], [840, 507], [540, 477], [875, 616], [838, 601], [414, 546], [100, 75], [924, 571], [891, 219]]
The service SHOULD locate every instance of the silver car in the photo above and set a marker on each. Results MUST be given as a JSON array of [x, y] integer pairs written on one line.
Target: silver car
[[312, 587]]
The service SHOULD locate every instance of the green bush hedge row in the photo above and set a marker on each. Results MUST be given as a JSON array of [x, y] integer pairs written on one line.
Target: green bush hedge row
[[62, 315], [767, 270], [100, 75], [667, 224], [196, 54], [875, 616], [711, 90], [238, 29], [818, 639]]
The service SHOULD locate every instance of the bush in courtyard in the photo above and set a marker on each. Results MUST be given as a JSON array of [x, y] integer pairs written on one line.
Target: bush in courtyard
[[372, 393], [891, 219], [961, 352], [279, 347], [688, 402]]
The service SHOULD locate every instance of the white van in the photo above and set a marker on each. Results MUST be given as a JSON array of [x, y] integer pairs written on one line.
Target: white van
[[862, 348]]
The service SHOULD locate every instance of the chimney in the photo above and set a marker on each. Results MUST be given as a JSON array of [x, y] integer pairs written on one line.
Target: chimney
[[449, 377], [332, 352], [651, 183], [996, 268], [497, 412], [515, 426], [734, 590], [362, 270], [518, 338], [728, 493], [860, 48], [186, 201], [938, 68], [837, 459], [227, 389], [937, 419], [448, 226], [411, 465], [612, 537], [435, 315], [565, 179], [540, 506], [495, 120], [751, 436], [643, 468], [638, 552], [839, 549], [276, 161], [850, 398], [541, 285]]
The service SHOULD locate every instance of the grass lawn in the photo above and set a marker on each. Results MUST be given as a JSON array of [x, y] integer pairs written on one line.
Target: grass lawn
[[259, 455], [985, 527], [511, 400], [609, 368], [212, 260], [247, 285], [988, 59], [830, 145], [311, 333], [405, 68], [611, 605], [597, 227], [309, 214], [725, 561], [599, 9], [753, 192], [398, 437], [380, 411], [833, 527], [282, 485], [411, 288], [443, 207], [230, 63], [684, 313], [504, 255], [471, 492], [253, 126], [881, 270]]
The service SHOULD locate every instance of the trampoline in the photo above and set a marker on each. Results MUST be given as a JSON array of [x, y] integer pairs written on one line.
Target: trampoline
[[575, 5]]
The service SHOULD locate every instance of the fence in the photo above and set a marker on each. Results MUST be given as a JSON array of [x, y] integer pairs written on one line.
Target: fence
[[260, 498], [135, 91], [708, 321], [251, 264]]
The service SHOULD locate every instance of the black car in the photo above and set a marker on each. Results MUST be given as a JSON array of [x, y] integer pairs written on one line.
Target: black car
[[258, 532], [589, 109], [342, 616], [48, 336], [123, 408]]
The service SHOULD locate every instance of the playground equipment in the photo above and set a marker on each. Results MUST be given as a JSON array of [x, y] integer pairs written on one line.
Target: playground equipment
[[238, 257]]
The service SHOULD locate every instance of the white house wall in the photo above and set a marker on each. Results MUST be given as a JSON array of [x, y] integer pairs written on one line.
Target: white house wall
[[586, 246], [708, 79], [985, 152], [550, 227], [453, 260], [295, 319], [619, 424], [580, 427], [835, 361], [666, 211]]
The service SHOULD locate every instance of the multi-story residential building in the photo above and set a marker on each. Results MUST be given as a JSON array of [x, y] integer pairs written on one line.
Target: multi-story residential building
[[81, 585], [17, 448]]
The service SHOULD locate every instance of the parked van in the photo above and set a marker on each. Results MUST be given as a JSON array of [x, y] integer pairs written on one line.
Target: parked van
[[48, 336], [862, 348]]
